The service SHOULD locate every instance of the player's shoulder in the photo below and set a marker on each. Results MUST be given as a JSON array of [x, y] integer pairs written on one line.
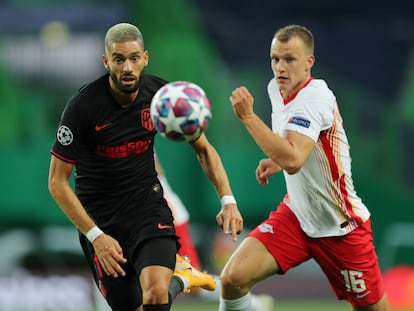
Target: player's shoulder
[[318, 87], [97, 88], [82, 101], [151, 82], [316, 90], [274, 92], [272, 86]]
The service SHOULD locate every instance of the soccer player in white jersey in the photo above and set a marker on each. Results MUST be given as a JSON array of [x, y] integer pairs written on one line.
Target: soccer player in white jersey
[[188, 249], [321, 216]]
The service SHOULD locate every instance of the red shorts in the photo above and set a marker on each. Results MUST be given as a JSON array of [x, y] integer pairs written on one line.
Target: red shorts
[[349, 262], [187, 245]]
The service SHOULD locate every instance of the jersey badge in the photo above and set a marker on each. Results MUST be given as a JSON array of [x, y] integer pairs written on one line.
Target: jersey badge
[[266, 228], [64, 135], [300, 121], [146, 120]]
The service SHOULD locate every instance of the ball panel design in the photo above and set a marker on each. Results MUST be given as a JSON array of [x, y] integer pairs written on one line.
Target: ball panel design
[[181, 111]]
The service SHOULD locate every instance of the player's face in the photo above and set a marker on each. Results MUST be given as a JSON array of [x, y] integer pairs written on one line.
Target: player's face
[[290, 64], [125, 63]]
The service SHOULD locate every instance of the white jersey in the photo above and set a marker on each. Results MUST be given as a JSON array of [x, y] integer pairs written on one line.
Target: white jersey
[[321, 194]]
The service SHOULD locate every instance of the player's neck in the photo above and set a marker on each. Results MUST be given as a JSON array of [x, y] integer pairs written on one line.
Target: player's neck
[[124, 100]]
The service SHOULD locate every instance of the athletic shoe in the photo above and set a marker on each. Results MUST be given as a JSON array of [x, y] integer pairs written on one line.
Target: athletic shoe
[[194, 277]]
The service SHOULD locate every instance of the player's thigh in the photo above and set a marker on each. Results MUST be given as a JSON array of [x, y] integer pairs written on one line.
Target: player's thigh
[[158, 251], [283, 238], [122, 293], [249, 264]]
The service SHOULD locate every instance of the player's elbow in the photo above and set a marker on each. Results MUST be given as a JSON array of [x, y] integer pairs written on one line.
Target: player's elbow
[[54, 187], [292, 167], [292, 170]]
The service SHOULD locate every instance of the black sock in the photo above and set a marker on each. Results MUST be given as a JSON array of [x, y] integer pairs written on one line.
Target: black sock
[[176, 287], [164, 307]]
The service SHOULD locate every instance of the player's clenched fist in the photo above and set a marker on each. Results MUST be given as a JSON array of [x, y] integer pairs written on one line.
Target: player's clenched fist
[[242, 102]]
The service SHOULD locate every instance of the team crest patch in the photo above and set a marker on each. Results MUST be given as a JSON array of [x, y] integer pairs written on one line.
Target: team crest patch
[[266, 228], [64, 135], [146, 120], [300, 121]]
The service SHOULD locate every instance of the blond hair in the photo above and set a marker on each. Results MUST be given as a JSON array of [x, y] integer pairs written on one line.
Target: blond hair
[[123, 32]]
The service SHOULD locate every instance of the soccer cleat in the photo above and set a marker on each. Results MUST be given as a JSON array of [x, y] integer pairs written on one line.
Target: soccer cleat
[[194, 277]]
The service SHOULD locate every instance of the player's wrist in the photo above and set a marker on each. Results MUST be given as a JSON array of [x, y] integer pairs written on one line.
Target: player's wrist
[[92, 234], [227, 199]]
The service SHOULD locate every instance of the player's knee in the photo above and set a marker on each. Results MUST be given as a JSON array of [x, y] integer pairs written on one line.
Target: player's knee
[[231, 279], [155, 294]]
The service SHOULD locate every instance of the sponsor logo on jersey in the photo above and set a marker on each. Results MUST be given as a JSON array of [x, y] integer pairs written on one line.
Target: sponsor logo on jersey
[[160, 226], [360, 296], [300, 121], [146, 120], [101, 127], [124, 150]]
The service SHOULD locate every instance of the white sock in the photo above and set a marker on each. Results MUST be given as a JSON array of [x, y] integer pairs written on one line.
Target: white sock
[[240, 304], [261, 305]]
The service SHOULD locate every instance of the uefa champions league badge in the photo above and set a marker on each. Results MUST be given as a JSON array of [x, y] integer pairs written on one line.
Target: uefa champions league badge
[[300, 121], [64, 135], [266, 228]]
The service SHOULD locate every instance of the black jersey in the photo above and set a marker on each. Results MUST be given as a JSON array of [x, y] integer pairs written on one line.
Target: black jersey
[[111, 147]]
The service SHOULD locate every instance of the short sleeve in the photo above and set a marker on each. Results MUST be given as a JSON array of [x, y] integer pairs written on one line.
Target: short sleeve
[[310, 118], [69, 135]]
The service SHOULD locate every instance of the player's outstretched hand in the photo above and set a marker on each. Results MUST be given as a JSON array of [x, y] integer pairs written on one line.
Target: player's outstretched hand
[[110, 255], [230, 220]]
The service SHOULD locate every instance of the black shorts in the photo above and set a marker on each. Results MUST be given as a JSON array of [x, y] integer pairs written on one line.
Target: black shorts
[[125, 293]]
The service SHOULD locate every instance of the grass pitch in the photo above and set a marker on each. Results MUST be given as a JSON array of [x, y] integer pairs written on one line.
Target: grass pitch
[[279, 306]]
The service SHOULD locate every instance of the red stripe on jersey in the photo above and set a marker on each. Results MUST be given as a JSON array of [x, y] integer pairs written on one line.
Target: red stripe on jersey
[[344, 193], [337, 178], [62, 157], [328, 151]]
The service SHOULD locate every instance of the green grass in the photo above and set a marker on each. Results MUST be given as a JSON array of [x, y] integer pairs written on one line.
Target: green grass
[[279, 306]]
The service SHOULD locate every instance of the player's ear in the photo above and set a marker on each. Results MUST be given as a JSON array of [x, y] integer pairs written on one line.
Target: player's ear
[[309, 62], [105, 62], [146, 57]]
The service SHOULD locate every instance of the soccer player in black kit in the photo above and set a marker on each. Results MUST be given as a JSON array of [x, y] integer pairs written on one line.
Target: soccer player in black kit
[[126, 227]]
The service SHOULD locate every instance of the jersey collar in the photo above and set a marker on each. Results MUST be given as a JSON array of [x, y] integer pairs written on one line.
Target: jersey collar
[[292, 97]]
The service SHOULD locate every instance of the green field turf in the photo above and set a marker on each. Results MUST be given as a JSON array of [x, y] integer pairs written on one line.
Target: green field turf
[[279, 306]]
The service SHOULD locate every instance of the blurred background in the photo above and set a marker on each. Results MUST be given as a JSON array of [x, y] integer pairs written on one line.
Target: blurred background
[[49, 48]]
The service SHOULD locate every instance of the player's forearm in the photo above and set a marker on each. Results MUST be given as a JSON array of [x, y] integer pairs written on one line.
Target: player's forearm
[[73, 209], [215, 171], [274, 146]]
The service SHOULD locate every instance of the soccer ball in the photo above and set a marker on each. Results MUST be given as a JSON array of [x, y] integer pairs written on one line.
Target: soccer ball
[[180, 111]]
